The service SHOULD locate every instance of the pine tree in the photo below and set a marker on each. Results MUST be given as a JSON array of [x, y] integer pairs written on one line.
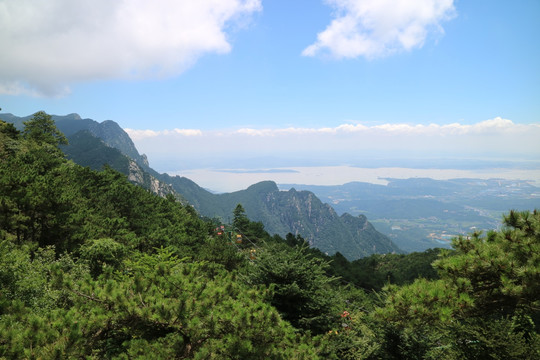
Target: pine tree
[[240, 220], [42, 129]]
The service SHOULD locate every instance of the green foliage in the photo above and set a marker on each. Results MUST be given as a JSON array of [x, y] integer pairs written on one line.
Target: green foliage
[[297, 240], [51, 201], [87, 150], [21, 279], [101, 253], [9, 129], [489, 338], [240, 219], [157, 305], [483, 304], [377, 270], [41, 129], [500, 271], [300, 288], [221, 251], [352, 340], [94, 267]]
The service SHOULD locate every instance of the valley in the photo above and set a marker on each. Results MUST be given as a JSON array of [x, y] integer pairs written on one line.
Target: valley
[[407, 215], [421, 213], [121, 260]]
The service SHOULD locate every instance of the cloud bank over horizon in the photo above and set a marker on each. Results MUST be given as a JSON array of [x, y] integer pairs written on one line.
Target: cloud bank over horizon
[[49, 45], [495, 125], [490, 139], [378, 28]]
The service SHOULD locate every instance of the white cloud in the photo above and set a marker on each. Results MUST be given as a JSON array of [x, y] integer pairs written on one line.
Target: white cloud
[[497, 124], [285, 131], [491, 126], [493, 138], [188, 132], [143, 134], [377, 28], [255, 132], [49, 44]]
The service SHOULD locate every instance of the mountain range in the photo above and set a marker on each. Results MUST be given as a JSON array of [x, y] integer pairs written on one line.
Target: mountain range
[[302, 213]]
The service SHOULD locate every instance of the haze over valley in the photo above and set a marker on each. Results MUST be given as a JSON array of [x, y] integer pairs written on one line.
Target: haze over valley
[[414, 211], [227, 180]]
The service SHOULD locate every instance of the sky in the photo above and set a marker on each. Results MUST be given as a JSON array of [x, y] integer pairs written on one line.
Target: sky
[[260, 84]]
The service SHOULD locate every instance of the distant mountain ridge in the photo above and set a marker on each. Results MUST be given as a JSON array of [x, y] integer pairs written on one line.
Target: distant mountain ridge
[[87, 150], [422, 213], [299, 212], [108, 131]]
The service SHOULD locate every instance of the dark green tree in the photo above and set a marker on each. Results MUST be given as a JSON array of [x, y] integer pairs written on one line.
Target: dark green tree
[[301, 289], [9, 130], [295, 240], [483, 306], [158, 305], [240, 220], [42, 129]]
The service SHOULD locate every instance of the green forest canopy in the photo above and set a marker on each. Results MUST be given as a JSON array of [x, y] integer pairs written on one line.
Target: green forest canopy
[[92, 266]]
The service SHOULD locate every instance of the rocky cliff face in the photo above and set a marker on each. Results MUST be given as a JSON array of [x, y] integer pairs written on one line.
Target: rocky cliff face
[[373, 242], [140, 177], [114, 136], [301, 212], [297, 212]]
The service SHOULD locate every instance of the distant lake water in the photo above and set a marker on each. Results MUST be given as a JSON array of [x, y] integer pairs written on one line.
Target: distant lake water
[[228, 180]]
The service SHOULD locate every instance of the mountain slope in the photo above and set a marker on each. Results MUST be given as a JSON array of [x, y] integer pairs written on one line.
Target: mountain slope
[[299, 212], [108, 131], [87, 150]]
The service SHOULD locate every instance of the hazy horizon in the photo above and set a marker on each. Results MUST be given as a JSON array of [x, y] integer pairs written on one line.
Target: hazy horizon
[[230, 180]]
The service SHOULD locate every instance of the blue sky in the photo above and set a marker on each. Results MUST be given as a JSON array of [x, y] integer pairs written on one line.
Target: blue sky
[[264, 74]]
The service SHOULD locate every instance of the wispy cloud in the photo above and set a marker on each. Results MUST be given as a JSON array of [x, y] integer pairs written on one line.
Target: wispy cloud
[[377, 28], [47, 45]]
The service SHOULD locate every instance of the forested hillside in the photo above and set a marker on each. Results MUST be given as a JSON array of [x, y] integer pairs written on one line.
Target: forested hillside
[[96, 144], [92, 266], [87, 150], [297, 212]]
